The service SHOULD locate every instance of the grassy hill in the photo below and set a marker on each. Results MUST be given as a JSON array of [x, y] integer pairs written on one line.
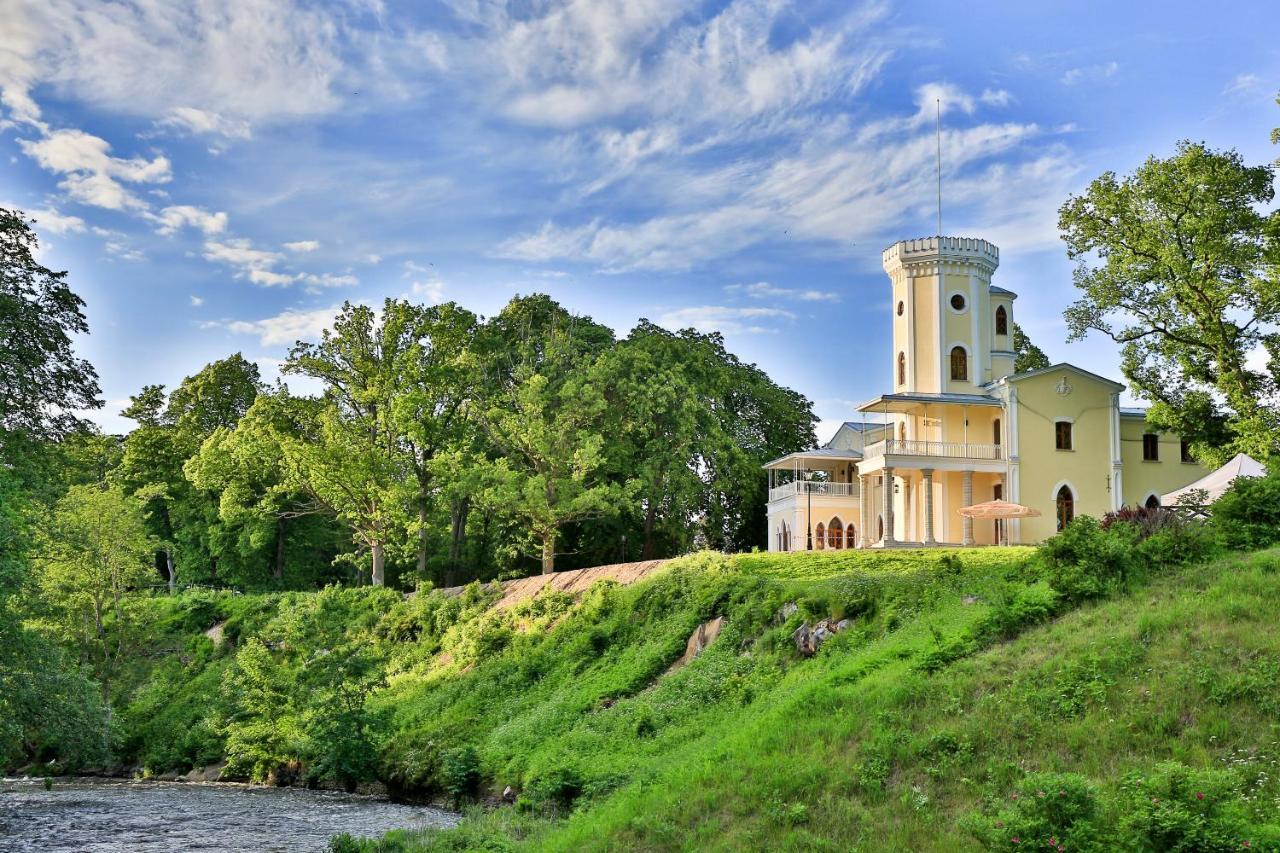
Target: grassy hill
[[971, 699]]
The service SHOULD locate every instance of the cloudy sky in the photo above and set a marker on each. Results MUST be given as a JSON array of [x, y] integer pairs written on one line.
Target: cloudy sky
[[218, 175]]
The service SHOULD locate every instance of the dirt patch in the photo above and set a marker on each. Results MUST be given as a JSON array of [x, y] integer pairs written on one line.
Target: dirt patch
[[703, 636], [215, 633], [574, 582]]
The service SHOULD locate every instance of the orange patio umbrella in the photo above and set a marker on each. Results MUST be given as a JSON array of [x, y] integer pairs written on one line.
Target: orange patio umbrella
[[996, 510]]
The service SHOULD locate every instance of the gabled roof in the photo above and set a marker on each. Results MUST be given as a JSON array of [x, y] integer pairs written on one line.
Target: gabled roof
[[892, 401], [1000, 291], [1062, 365], [1132, 412]]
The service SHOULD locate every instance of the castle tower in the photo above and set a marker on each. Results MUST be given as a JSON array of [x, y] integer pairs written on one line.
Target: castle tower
[[952, 330]]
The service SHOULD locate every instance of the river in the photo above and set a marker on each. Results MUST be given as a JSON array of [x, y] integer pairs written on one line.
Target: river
[[116, 815]]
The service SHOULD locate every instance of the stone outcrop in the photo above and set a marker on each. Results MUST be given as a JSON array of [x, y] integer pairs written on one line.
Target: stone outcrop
[[808, 639], [703, 636]]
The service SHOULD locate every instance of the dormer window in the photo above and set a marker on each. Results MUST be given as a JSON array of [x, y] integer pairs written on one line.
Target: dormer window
[[959, 365], [1002, 321]]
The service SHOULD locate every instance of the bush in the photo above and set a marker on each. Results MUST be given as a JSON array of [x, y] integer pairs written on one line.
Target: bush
[[1086, 561], [1175, 808], [1248, 514], [1053, 811], [460, 773]]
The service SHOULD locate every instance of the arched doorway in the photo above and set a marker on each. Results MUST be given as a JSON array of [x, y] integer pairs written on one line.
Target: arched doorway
[[819, 537], [835, 534], [786, 537], [1153, 502], [880, 528], [1066, 507], [851, 537]]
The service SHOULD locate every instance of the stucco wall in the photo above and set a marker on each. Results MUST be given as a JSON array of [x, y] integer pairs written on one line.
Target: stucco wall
[[1141, 478], [1043, 469]]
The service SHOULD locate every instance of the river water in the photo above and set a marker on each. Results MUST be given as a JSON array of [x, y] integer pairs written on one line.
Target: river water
[[116, 815]]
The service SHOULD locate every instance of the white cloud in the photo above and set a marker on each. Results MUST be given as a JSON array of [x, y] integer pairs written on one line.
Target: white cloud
[[329, 280], [288, 326], [172, 218], [1090, 73], [302, 246], [48, 219], [196, 301], [239, 252], [996, 97], [1242, 84], [727, 320], [431, 292], [373, 258], [93, 176], [204, 122], [765, 290], [267, 278]]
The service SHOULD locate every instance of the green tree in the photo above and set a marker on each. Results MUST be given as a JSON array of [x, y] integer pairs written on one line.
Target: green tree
[[1179, 263], [356, 459], [1027, 356], [543, 411], [42, 383], [94, 552]]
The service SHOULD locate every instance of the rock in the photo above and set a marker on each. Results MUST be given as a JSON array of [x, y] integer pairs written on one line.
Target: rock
[[971, 599], [785, 612], [215, 632], [803, 638], [821, 634], [842, 625], [508, 794], [702, 637], [211, 773]]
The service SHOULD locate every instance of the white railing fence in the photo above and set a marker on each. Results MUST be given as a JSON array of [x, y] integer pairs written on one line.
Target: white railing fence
[[822, 488], [948, 449]]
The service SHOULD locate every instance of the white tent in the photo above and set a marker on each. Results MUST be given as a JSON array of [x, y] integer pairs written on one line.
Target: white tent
[[1215, 483]]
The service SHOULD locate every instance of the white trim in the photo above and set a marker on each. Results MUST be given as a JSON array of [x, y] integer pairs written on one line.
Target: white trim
[[1148, 496], [1053, 501], [978, 368], [938, 282]]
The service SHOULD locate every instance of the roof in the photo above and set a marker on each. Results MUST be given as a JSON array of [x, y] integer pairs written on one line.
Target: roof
[[825, 453], [1217, 482], [1062, 365], [863, 426], [1000, 291], [890, 401], [1132, 412]]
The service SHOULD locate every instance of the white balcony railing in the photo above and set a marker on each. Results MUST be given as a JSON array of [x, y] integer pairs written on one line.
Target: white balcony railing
[[818, 488], [948, 449]]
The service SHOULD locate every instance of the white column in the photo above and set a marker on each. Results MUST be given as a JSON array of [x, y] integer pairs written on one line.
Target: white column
[[968, 501], [887, 506], [864, 506], [928, 507]]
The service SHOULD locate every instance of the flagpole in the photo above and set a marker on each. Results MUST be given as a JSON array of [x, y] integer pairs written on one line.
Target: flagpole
[[938, 102]]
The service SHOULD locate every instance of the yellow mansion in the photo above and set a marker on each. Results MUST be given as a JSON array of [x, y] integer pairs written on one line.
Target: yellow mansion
[[960, 427]]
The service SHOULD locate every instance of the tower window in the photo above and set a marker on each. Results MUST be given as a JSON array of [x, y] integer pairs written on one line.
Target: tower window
[[901, 307], [957, 301], [1002, 321], [1062, 435], [959, 364], [1066, 507], [1150, 447], [902, 368]]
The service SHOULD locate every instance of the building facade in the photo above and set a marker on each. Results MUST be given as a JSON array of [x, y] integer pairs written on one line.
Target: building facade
[[961, 427]]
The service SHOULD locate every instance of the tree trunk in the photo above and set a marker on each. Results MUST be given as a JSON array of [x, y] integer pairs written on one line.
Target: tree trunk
[[548, 553], [422, 539], [173, 575], [277, 571], [458, 534], [379, 575], [650, 515]]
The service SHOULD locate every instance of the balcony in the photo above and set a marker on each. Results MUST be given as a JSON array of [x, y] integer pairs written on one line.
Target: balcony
[[943, 449], [817, 488]]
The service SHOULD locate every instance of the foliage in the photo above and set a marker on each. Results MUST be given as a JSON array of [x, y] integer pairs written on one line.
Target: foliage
[[1087, 560], [1027, 356], [42, 383], [1178, 263], [1248, 513], [1053, 811]]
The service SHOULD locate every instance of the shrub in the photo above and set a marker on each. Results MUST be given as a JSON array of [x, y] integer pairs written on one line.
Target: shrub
[[1175, 808], [460, 772], [1053, 811], [1085, 561], [1248, 514]]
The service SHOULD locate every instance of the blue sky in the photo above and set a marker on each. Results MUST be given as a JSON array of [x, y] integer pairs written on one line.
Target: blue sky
[[218, 175]]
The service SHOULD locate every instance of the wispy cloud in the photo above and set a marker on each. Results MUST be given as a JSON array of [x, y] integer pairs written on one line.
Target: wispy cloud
[[171, 219], [765, 290], [1090, 73], [286, 327], [303, 246], [727, 320]]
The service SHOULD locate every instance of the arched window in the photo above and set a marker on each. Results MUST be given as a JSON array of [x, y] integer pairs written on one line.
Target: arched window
[[902, 431], [995, 431], [1002, 321], [778, 536], [959, 364], [851, 537], [819, 537], [902, 368], [1066, 507], [835, 534], [880, 528], [901, 307], [1153, 502], [786, 537]]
